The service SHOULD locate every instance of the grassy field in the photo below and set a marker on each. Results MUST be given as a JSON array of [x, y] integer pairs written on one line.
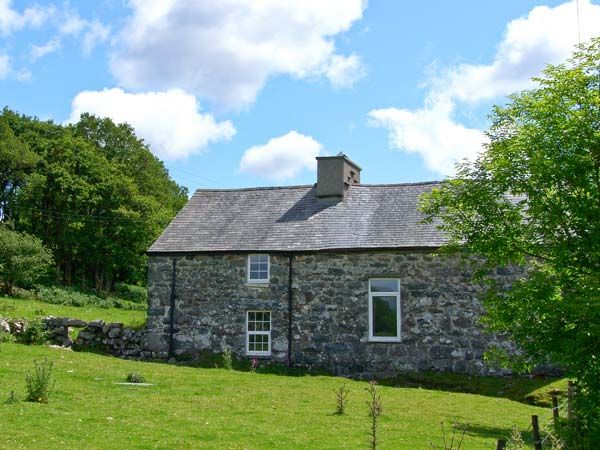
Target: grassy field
[[214, 408], [29, 308]]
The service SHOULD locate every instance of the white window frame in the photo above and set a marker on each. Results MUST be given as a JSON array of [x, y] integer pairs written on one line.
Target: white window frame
[[396, 338], [262, 280], [263, 333]]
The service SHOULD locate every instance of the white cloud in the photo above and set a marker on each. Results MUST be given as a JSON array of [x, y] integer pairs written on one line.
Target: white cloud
[[37, 51], [12, 20], [431, 133], [281, 157], [227, 50], [545, 36], [344, 71], [4, 66], [170, 122], [96, 33]]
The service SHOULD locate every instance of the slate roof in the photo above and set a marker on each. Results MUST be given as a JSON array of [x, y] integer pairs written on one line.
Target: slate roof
[[293, 219]]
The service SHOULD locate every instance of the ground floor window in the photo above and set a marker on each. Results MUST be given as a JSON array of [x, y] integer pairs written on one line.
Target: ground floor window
[[258, 333], [384, 309]]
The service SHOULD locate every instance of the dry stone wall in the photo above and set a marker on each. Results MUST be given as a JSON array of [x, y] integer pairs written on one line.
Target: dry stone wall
[[440, 307], [112, 338]]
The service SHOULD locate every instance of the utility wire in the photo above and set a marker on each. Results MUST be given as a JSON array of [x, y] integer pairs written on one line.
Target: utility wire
[[76, 217]]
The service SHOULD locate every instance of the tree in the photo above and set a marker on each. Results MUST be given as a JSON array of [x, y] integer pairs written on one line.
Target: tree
[[23, 258], [93, 193], [16, 160], [532, 198]]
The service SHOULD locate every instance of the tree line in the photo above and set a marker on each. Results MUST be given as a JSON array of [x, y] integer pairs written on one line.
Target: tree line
[[92, 192]]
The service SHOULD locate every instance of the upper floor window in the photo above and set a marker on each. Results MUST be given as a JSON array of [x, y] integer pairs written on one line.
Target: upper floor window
[[258, 268], [384, 309]]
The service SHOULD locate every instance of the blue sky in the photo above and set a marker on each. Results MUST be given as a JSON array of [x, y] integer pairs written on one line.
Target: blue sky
[[240, 93]]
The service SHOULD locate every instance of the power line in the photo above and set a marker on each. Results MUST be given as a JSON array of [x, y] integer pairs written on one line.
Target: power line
[[76, 217], [195, 177]]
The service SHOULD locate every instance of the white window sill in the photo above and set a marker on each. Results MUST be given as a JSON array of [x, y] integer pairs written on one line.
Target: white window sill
[[258, 284], [384, 340], [264, 354]]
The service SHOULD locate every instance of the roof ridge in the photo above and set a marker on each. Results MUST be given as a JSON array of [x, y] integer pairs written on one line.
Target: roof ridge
[[257, 188], [304, 186], [415, 183]]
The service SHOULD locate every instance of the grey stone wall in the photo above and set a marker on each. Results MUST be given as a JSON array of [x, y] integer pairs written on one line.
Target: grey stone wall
[[440, 306]]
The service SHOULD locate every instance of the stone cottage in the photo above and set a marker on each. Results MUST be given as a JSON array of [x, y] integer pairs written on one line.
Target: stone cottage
[[338, 275]]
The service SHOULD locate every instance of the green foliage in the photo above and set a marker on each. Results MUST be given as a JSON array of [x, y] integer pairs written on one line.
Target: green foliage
[[134, 377], [39, 382], [533, 199], [136, 294], [16, 161], [23, 259], [6, 338], [227, 359], [92, 192], [73, 297], [341, 399], [34, 334]]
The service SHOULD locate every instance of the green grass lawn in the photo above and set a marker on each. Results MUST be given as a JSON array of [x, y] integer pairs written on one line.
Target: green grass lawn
[[214, 408], [29, 308]]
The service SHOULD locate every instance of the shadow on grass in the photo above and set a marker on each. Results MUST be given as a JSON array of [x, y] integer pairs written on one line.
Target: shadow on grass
[[529, 390], [495, 432]]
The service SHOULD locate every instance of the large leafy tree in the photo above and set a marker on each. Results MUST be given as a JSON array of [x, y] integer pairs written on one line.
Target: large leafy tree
[[92, 192], [533, 199], [16, 162]]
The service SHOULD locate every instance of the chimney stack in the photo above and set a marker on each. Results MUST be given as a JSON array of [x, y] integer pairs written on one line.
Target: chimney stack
[[335, 174]]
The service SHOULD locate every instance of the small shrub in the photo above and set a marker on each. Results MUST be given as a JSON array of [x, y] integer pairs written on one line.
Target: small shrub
[[515, 441], [341, 399], [453, 443], [227, 359], [34, 333], [39, 382], [6, 338], [136, 294], [135, 377], [12, 398], [374, 411]]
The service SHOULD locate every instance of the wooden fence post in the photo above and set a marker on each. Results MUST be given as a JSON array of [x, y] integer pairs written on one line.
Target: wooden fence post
[[501, 444], [555, 408], [570, 400], [535, 425]]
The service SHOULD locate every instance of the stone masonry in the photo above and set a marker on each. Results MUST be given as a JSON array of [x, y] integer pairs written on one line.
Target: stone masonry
[[440, 307]]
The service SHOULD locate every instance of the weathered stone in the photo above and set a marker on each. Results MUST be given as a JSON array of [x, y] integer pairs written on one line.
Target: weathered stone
[[439, 307], [4, 326], [113, 332], [77, 323]]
